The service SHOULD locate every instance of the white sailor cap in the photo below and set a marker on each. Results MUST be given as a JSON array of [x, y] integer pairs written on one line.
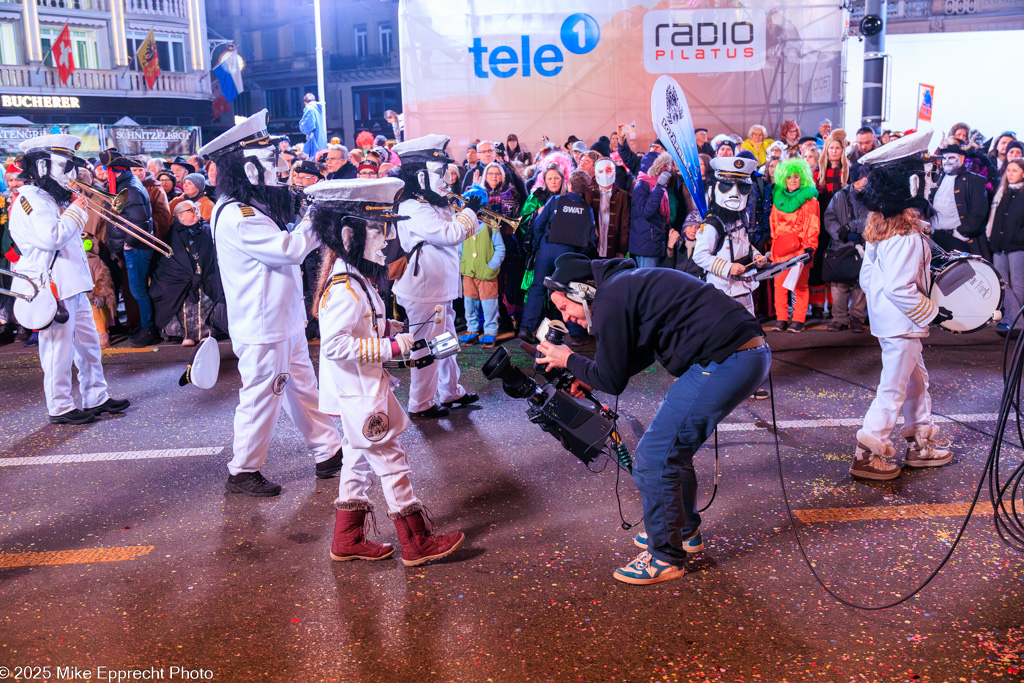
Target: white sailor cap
[[370, 198], [58, 142], [911, 145], [732, 169], [426, 148], [205, 366], [249, 133]]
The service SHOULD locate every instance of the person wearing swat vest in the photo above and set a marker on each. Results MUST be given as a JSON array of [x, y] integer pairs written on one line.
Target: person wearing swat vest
[[699, 334], [565, 225]]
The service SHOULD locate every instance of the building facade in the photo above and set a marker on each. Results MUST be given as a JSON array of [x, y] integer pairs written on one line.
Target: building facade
[[107, 84], [277, 41]]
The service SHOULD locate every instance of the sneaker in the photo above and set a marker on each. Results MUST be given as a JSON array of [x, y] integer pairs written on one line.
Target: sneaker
[[33, 339], [252, 484], [73, 417], [188, 342], [469, 338], [433, 411], [693, 544], [867, 465], [761, 394], [111, 405], [646, 569], [147, 336], [857, 327], [487, 341], [817, 313], [925, 451], [466, 399], [836, 326], [329, 468], [795, 328], [779, 326]]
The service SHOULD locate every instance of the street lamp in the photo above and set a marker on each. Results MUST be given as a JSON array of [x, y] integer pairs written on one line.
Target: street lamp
[[321, 91]]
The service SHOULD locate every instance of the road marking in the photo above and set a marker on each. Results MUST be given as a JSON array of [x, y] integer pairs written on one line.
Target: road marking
[[891, 512], [97, 457], [132, 552], [144, 349], [847, 422]]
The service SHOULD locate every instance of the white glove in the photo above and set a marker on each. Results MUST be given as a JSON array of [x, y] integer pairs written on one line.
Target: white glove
[[664, 178], [395, 326], [405, 342]]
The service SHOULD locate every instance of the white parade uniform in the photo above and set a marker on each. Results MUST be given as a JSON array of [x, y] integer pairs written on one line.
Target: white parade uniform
[[51, 251], [436, 282], [259, 266], [735, 246], [357, 388], [895, 278]]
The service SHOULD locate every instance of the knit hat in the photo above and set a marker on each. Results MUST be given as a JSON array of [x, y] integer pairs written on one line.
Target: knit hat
[[166, 174], [603, 146], [196, 179], [1015, 144], [647, 161], [692, 218]]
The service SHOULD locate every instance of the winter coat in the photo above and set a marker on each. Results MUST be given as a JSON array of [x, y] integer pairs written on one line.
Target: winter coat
[[1008, 222], [618, 218], [648, 227], [192, 266], [162, 216], [971, 202], [801, 228], [205, 205], [845, 218], [138, 211]]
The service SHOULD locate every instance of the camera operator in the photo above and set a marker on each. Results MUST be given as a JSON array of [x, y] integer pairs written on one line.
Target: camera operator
[[698, 334]]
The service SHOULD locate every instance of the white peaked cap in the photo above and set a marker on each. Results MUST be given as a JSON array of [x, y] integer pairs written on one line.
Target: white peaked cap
[[733, 166], [252, 128], [370, 190], [427, 147], [205, 366], [906, 146], [57, 141]]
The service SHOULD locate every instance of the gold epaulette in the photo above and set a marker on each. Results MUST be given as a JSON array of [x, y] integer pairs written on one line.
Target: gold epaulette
[[337, 279], [25, 206], [246, 210]]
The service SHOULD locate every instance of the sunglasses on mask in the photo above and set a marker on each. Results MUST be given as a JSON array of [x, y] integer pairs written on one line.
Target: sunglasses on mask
[[744, 188]]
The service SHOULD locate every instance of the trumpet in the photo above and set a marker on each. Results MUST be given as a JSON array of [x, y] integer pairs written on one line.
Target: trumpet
[[491, 219], [109, 207], [18, 295]]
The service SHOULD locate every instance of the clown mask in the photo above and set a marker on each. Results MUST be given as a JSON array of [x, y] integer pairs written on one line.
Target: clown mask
[[951, 163]]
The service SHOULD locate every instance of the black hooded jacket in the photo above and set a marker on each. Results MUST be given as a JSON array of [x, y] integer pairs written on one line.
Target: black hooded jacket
[[642, 315], [192, 267], [137, 211]]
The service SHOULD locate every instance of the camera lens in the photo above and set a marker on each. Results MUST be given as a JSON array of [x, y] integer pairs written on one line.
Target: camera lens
[[555, 336], [513, 381]]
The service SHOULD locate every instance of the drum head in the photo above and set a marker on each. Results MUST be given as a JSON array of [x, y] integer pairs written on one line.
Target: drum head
[[970, 288], [38, 313]]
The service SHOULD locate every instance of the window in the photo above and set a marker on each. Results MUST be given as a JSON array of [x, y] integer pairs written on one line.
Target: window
[[277, 103], [300, 46], [269, 44], [362, 49], [83, 43], [242, 105], [8, 44], [369, 104], [170, 50], [387, 44]]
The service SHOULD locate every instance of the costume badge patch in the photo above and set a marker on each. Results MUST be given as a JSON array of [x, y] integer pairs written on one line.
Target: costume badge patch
[[279, 383], [376, 427], [25, 206], [247, 211]]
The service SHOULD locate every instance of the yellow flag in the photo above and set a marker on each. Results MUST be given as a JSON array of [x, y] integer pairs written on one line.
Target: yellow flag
[[148, 60]]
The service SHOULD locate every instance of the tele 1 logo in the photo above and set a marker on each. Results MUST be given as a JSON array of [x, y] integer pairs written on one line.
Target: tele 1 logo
[[579, 35]]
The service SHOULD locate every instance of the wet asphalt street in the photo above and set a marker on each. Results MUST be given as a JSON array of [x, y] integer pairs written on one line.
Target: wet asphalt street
[[136, 558]]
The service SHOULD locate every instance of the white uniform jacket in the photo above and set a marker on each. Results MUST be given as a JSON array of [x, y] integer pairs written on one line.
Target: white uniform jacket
[[41, 231], [895, 277], [353, 344], [735, 246], [259, 266], [443, 230]]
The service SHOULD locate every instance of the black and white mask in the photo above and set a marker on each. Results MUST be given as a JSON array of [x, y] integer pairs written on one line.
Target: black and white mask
[[951, 163], [59, 167], [732, 195], [265, 163]]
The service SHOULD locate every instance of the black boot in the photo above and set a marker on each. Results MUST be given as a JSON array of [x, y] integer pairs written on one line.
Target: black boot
[[73, 417], [329, 468]]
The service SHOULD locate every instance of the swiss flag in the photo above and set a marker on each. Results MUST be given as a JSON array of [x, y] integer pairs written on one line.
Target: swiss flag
[[63, 55]]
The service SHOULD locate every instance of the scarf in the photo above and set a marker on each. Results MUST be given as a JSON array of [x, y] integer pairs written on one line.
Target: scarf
[[788, 202], [664, 209]]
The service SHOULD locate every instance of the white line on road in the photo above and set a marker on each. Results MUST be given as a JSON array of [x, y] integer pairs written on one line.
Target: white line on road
[[847, 422], [97, 457]]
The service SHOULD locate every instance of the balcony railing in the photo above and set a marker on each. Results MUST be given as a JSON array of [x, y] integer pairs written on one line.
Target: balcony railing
[[110, 83], [352, 62], [163, 8], [86, 5]]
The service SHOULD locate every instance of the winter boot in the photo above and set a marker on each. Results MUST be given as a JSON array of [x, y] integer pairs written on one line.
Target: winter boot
[[419, 545], [872, 459], [350, 542], [923, 449]]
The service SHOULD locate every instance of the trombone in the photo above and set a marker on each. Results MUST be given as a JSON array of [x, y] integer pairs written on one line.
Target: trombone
[[109, 207], [18, 295], [491, 219]]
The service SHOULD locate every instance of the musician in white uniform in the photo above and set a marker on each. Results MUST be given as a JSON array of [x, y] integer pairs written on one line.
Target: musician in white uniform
[[259, 266], [431, 237], [354, 219], [895, 278], [47, 227]]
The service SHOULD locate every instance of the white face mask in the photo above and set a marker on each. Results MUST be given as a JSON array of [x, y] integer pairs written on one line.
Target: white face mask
[[437, 175], [265, 162], [62, 170], [373, 250], [732, 200], [604, 171], [951, 163]]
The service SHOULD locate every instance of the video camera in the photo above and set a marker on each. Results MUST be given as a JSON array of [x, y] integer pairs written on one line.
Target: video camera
[[582, 429]]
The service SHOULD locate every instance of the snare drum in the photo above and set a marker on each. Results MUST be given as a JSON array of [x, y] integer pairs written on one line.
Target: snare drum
[[967, 286]]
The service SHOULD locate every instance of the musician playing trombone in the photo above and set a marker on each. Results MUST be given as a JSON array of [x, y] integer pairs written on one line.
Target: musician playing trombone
[[46, 224]]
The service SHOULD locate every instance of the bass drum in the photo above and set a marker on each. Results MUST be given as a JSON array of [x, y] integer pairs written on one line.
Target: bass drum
[[39, 312], [969, 287]]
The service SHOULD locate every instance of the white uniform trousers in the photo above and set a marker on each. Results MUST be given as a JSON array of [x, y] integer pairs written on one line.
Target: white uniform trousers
[[75, 341], [272, 375], [747, 300], [388, 460], [441, 376], [903, 388]]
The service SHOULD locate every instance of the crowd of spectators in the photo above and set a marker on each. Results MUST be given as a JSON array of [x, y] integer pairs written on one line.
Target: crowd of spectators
[[604, 199]]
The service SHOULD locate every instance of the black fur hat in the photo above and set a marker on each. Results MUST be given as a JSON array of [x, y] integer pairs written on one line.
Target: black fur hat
[[896, 176]]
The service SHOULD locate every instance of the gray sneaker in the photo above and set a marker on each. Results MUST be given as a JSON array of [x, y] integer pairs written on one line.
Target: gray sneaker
[[924, 450], [868, 465]]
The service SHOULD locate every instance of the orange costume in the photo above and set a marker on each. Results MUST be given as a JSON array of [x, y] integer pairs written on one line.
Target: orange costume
[[792, 233]]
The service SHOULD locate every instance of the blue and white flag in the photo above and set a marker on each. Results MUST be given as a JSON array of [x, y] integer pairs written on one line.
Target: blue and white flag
[[229, 75], [674, 126]]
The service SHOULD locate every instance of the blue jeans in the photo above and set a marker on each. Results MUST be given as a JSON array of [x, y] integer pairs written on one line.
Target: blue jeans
[[693, 406], [544, 267], [137, 263], [489, 308], [646, 261]]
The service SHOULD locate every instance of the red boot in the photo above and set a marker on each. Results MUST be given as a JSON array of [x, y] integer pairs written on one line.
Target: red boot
[[349, 542], [418, 544]]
